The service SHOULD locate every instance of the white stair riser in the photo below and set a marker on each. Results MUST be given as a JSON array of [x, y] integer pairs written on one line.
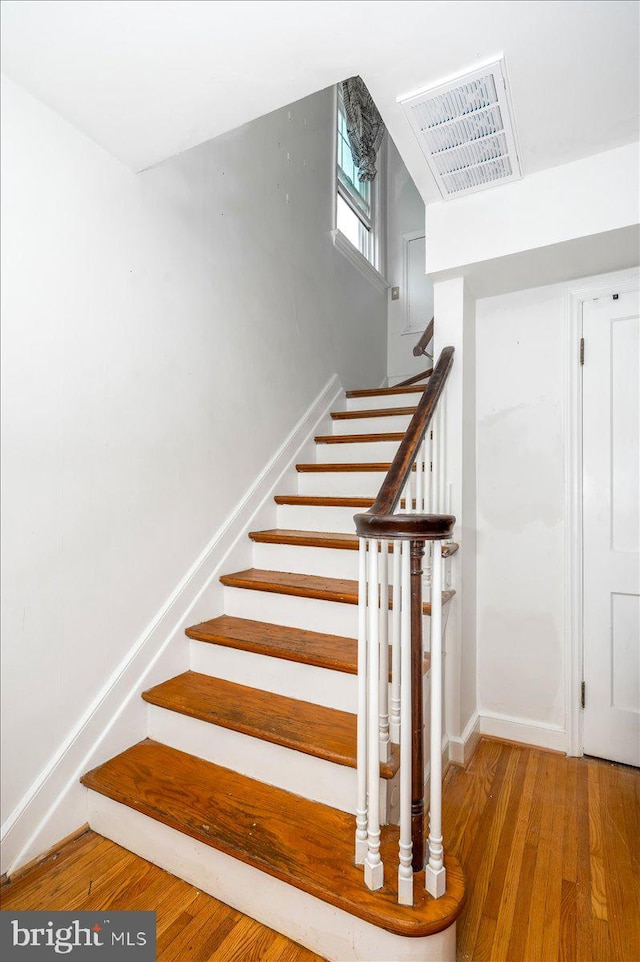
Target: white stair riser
[[356, 452], [410, 399], [310, 614], [330, 562], [377, 425], [321, 686], [314, 778], [326, 930], [309, 517], [340, 484]]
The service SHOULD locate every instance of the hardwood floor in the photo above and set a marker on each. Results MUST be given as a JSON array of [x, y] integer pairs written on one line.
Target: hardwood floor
[[551, 850], [94, 873], [550, 845]]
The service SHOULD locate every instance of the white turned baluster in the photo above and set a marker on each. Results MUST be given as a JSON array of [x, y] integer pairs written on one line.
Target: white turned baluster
[[441, 456], [428, 441], [435, 880], [361, 801], [427, 568], [406, 496], [433, 507], [405, 870], [384, 652], [419, 478], [394, 714], [373, 869], [425, 462]]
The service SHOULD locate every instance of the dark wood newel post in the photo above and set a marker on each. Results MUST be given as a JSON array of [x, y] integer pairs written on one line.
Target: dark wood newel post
[[417, 720]]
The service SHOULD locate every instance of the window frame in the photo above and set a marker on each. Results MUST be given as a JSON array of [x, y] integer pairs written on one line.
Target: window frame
[[371, 264]]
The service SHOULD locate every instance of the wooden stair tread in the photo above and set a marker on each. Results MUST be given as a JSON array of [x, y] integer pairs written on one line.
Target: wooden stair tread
[[357, 438], [324, 502], [385, 391], [341, 590], [373, 413], [330, 501], [303, 843], [313, 729], [324, 539], [347, 466], [313, 539], [278, 641]]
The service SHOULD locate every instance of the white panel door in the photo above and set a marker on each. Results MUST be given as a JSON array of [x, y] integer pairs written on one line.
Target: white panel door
[[611, 480]]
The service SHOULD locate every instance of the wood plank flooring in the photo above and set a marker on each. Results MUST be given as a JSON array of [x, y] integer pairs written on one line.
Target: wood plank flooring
[[93, 873], [550, 845], [551, 851]]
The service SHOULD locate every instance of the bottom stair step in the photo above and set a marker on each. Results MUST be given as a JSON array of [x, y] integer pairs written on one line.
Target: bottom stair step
[[302, 843]]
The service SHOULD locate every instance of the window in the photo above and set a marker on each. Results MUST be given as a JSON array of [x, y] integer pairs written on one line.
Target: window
[[358, 204]]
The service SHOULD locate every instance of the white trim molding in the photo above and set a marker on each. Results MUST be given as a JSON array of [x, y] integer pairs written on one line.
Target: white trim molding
[[462, 747], [56, 804], [359, 261], [577, 293], [526, 730]]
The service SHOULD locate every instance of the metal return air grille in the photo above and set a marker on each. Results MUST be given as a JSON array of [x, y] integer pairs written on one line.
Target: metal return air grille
[[466, 132]]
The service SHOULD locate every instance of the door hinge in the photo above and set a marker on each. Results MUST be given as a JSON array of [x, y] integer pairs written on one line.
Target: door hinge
[[583, 689], [581, 350]]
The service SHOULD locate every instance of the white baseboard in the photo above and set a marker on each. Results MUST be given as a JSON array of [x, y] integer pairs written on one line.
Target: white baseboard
[[462, 747], [56, 804], [525, 730]]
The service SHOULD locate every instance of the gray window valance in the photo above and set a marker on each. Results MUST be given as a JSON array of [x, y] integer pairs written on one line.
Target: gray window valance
[[365, 127]]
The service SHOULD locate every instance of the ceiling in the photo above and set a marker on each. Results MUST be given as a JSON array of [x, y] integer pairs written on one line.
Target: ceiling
[[148, 79]]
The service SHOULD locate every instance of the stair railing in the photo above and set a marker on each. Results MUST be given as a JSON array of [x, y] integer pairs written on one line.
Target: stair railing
[[421, 348], [425, 340], [410, 512]]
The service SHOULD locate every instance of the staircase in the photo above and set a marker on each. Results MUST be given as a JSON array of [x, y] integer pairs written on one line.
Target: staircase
[[247, 784]]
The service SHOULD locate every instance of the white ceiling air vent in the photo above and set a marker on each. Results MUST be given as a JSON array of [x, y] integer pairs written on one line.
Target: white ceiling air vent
[[466, 132]]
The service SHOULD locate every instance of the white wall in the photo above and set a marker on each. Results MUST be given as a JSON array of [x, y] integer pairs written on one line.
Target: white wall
[[162, 334], [405, 215], [591, 196], [455, 326], [520, 511]]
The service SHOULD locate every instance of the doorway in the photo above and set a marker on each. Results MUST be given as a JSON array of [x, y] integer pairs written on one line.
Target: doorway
[[611, 526]]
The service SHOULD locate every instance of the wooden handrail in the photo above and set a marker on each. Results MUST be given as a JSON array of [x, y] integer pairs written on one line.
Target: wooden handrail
[[421, 346], [379, 521], [418, 350], [415, 378]]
